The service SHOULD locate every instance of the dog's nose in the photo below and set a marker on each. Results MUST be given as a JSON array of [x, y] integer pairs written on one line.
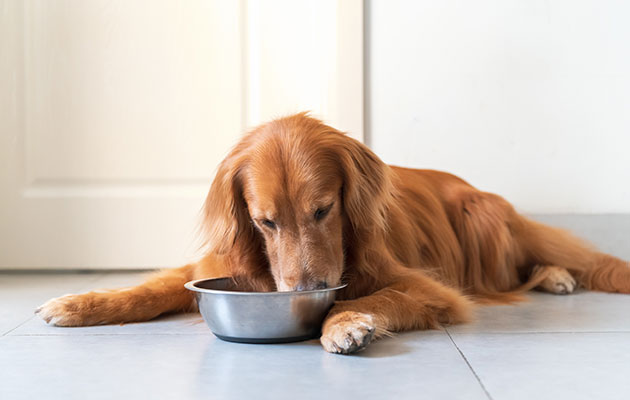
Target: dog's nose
[[321, 285], [311, 286]]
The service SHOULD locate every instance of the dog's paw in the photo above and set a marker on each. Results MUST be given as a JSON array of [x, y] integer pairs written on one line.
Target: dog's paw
[[559, 281], [347, 332], [68, 310]]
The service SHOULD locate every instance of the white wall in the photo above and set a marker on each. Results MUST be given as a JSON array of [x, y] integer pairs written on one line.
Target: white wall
[[529, 99]]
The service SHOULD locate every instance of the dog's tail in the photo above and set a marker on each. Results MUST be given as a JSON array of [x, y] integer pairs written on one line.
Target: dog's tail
[[515, 295], [592, 269]]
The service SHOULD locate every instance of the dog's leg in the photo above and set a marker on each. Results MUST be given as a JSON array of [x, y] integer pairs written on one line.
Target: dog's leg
[[557, 280], [411, 301], [162, 293]]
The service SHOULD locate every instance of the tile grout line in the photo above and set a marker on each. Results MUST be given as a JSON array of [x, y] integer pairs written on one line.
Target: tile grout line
[[483, 387], [20, 324], [83, 288]]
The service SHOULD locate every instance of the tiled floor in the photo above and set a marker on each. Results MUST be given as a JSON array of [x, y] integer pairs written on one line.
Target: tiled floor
[[553, 347]]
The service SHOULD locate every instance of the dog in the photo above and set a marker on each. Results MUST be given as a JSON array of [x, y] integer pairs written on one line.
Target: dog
[[298, 205]]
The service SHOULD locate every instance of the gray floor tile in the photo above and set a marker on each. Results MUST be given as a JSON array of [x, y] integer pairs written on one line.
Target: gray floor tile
[[177, 357], [21, 294], [550, 365], [579, 312], [201, 366]]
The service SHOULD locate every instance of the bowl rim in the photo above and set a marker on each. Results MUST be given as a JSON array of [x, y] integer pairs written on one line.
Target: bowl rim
[[191, 285]]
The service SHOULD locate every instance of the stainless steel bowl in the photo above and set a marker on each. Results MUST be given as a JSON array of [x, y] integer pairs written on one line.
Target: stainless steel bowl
[[261, 317]]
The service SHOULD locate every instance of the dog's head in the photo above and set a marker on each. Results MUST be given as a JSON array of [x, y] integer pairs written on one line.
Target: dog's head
[[291, 198]]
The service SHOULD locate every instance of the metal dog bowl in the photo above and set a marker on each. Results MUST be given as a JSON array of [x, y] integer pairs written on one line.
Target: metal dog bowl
[[261, 317]]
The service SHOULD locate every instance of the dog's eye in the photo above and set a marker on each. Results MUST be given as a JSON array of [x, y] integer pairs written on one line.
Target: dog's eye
[[269, 223], [322, 212]]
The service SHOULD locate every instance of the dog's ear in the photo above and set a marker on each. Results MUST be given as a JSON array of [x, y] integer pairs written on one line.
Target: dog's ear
[[367, 187], [225, 217]]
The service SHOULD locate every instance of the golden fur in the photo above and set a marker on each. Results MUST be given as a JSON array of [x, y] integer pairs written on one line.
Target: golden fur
[[299, 205]]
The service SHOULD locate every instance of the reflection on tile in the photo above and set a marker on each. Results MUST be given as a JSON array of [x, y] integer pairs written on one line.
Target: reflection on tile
[[201, 366], [579, 312], [551, 365]]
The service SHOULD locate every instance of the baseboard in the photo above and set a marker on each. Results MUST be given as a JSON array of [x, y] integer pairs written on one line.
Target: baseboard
[[608, 232]]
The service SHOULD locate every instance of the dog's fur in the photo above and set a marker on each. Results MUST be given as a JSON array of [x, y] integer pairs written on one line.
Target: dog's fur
[[298, 205]]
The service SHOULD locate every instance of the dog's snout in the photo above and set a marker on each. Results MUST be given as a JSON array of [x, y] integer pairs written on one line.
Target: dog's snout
[[311, 286]]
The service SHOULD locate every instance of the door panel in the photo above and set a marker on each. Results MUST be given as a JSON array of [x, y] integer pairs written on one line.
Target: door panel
[[116, 113]]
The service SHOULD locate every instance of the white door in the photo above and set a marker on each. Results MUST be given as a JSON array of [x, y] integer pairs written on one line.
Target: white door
[[114, 115]]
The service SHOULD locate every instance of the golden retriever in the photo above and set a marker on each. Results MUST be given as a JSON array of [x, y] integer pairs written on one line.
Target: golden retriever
[[298, 205]]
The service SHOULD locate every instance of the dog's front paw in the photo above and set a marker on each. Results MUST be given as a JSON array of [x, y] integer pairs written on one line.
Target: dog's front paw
[[347, 332], [68, 310]]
